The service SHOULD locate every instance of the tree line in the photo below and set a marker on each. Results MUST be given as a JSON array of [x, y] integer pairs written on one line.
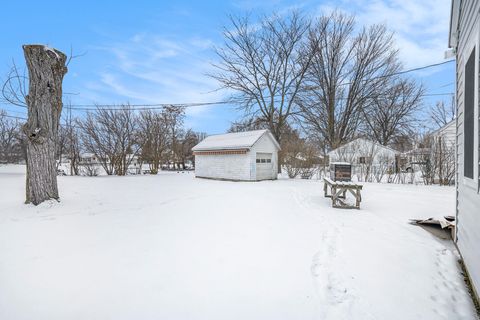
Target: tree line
[[319, 81], [328, 77], [115, 135]]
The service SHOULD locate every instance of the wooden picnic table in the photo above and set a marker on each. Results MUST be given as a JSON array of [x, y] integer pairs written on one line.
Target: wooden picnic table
[[338, 193]]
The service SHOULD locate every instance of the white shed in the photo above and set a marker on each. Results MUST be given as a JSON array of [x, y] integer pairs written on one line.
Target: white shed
[[464, 39], [239, 156]]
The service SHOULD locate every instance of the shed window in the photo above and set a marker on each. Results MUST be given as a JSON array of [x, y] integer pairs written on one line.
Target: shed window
[[469, 117]]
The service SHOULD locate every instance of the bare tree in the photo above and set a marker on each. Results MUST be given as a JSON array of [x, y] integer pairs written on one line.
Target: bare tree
[[46, 68], [10, 143], [111, 136], [248, 124], [187, 141], [293, 146], [69, 142], [175, 116], [264, 63], [392, 113], [441, 113], [347, 70], [309, 161], [14, 87], [153, 137], [443, 159], [89, 169]]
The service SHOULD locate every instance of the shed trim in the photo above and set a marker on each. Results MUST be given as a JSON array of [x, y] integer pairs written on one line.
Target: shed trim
[[220, 152]]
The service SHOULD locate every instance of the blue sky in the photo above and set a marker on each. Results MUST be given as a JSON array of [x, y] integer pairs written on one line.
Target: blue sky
[[160, 51]]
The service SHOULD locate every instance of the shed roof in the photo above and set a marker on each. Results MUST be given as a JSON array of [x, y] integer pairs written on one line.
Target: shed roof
[[236, 140]]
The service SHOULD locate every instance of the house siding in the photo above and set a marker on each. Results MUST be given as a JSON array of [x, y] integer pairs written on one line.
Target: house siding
[[448, 134], [468, 198]]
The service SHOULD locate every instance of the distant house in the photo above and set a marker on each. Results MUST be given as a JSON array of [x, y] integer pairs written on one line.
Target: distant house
[[240, 156], [446, 134], [367, 157], [413, 160], [91, 164], [443, 153], [464, 39], [360, 151]]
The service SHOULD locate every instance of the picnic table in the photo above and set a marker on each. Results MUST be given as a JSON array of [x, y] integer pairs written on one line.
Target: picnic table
[[338, 193]]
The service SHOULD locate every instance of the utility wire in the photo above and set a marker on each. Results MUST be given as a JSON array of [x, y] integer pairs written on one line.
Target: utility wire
[[14, 117], [155, 106], [145, 107]]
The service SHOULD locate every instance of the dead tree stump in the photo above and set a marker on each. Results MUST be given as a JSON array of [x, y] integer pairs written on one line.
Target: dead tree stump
[[46, 68]]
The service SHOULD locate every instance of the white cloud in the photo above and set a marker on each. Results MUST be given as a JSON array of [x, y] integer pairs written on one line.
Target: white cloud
[[420, 27], [146, 69]]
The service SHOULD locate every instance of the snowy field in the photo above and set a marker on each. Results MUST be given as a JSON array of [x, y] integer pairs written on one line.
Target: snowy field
[[175, 247]]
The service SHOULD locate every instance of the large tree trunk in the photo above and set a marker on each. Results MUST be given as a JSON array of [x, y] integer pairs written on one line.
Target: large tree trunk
[[46, 68]]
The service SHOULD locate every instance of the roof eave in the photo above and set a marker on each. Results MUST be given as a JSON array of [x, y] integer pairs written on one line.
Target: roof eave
[[454, 15], [222, 148]]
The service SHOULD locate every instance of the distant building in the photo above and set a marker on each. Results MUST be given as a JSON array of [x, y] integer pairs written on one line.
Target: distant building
[[446, 134], [464, 39], [240, 156], [443, 153], [89, 158], [369, 160], [91, 164]]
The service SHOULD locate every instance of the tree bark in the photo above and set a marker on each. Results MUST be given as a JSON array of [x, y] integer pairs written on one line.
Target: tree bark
[[46, 68]]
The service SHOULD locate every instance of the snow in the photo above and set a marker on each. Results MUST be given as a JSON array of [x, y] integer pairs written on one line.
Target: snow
[[47, 48], [174, 247], [236, 140]]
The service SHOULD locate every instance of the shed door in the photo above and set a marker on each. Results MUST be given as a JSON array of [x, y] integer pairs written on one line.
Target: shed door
[[264, 166]]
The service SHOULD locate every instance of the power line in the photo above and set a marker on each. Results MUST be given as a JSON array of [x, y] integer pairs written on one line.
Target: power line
[[145, 107], [423, 67], [161, 106], [14, 117], [187, 105], [396, 73], [446, 85], [152, 106], [156, 106]]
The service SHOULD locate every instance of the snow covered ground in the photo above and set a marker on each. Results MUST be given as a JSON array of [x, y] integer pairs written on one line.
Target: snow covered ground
[[175, 247]]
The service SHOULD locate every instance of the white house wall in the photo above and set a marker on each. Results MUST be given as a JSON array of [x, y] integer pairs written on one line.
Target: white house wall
[[223, 166], [448, 134], [351, 151], [468, 198]]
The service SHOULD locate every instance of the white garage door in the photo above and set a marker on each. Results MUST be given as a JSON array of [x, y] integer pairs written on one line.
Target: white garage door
[[264, 166]]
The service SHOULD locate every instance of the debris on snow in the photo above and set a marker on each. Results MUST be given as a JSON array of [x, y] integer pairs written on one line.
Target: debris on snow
[[446, 223]]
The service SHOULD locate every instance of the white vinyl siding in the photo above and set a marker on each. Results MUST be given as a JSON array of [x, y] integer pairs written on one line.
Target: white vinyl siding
[[468, 198], [223, 166]]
